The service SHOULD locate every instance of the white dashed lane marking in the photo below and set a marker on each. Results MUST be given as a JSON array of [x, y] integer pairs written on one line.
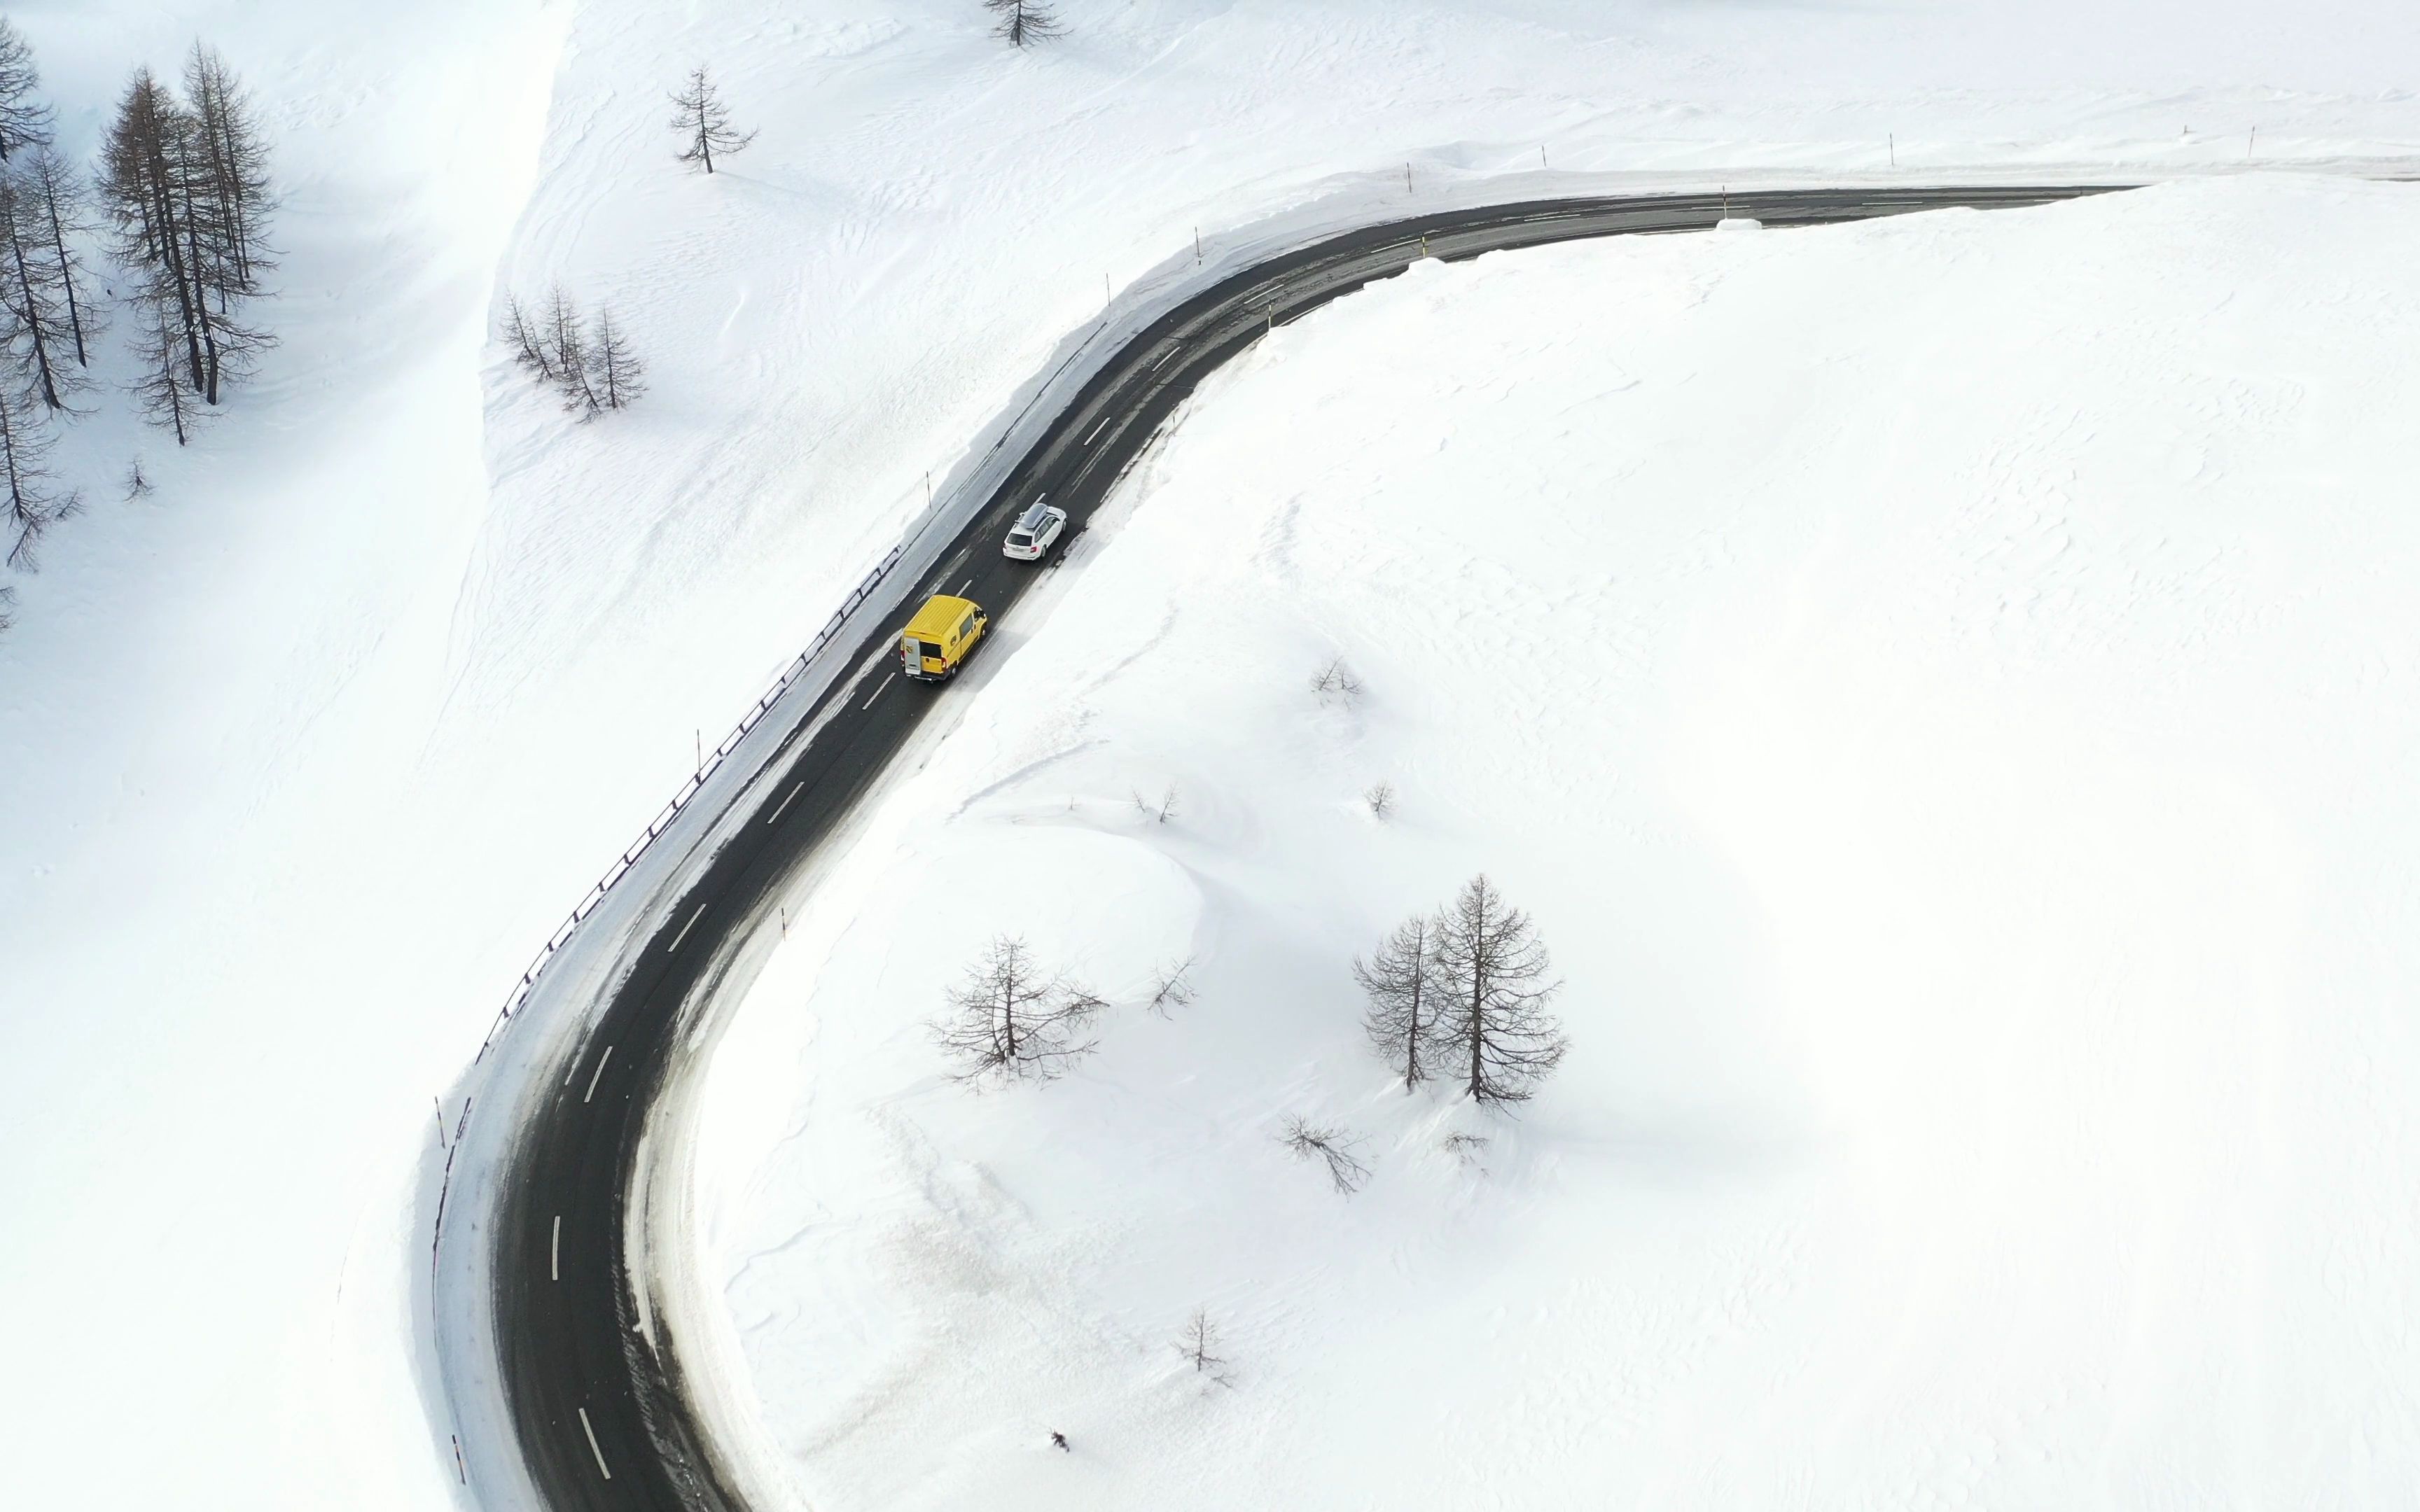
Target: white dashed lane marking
[[591, 1445]]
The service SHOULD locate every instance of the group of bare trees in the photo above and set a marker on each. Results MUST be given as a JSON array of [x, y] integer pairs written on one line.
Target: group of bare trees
[[590, 364], [1459, 998], [184, 182], [183, 193], [1462, 997]]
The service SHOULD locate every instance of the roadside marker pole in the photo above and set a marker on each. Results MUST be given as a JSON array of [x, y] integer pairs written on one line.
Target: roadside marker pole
[[440, 1121]]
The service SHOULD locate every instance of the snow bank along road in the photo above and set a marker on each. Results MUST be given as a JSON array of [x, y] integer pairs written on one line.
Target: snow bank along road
[[594, 1384]]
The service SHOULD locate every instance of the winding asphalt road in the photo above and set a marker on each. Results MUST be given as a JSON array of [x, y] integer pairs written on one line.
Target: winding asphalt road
[[600, 1410]]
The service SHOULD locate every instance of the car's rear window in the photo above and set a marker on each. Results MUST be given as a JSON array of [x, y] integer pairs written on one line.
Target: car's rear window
[[1019, 538]]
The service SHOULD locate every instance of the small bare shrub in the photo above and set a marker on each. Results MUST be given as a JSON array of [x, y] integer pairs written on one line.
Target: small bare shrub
[[1169, 989], [1380, 797], [1336, 681], [1333, 1145], [1199, 1344]]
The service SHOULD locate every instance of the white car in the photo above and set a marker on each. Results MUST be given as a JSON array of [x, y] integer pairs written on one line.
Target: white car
[[1030, 539]]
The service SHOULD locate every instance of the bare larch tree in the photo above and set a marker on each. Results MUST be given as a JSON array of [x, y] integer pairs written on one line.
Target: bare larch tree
[[230, 154], [527, 335], [1200, 1343], [1023, 22], [1401, 979], [566, 347], [1009, 1021], [615, 373], [25, 120], [58, 195], [159, 387], [29, 496], [1496, 1027], [704, 121], [40, 336]]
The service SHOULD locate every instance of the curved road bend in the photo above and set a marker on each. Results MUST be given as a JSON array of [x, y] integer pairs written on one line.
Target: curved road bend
[[600, 1412]]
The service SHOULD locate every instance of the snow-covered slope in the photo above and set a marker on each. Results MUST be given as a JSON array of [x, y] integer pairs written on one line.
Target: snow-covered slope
[[1944, 688], [231, 976], [303, 757]]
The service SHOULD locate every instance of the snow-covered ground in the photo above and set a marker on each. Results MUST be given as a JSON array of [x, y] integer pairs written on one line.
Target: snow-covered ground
[[1943, 687], [306, 754]]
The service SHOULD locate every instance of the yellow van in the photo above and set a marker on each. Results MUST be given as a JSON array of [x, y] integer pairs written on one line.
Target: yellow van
[[936, 641]]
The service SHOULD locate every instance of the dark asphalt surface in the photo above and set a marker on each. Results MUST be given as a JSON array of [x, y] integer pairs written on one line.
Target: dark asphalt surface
[[601, 1414]]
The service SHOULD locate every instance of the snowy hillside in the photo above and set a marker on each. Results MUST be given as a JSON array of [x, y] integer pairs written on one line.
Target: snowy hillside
[[1942, 688], [302, 757]]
